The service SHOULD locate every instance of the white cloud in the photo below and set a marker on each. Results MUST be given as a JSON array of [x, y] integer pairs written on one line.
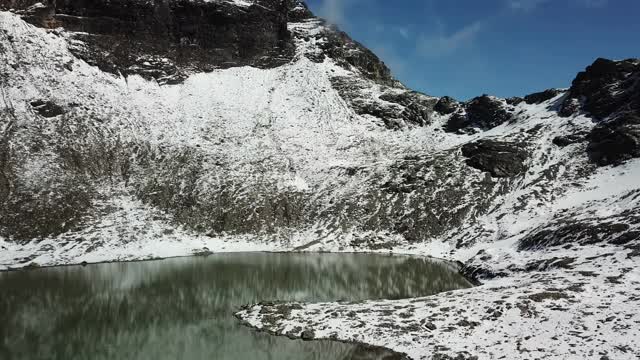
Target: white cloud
[[446, 44], [404, 32]]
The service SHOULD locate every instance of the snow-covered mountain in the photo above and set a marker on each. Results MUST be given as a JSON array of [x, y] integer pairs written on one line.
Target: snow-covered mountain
[[136, 129]]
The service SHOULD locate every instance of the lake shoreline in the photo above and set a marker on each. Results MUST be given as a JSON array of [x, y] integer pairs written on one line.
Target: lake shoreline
[[213, 285], [544, 300]]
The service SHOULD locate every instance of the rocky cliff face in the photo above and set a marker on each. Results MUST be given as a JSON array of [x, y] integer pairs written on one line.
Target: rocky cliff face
[[168, 40], [604, 88], [255, 119]]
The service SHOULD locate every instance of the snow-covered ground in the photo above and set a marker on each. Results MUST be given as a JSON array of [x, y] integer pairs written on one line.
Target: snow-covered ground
[[289, 126], [589, 312]]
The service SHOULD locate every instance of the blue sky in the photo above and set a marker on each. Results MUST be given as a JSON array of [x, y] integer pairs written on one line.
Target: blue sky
[[465, 48]]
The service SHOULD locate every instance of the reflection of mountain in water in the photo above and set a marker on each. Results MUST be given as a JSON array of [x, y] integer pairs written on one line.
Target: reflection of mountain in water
[[182, 308]]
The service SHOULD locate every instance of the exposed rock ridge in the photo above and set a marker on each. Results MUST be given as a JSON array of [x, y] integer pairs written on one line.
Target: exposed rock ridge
[[609, 91], [167, 40]]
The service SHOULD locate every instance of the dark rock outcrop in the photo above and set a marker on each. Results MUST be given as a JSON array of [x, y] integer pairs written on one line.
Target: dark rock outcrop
[[540, 97], [570, 107], [514, 101], [298, 11], [620, 229], [169, 39], [500, 159], [484, 112], [417, 106], [570, 233], [308, 335], [396, 108], [566, 140], [604, 88], [615, 141], [459, 123], [478, 273], [446, 105], [47, 109], [389, 115], [349, 53], [609, 91]]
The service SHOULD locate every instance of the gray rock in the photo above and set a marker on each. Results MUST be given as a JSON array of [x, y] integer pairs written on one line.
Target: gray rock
[[417, 106], [349, 53], [47, 109], [516, 100], [446, 106], [167, 40], [483, 113], [429, 325], [308, 335], [615, 141], [540, 97], [565, 231], [500, 159], [566, 140], [604, 88]]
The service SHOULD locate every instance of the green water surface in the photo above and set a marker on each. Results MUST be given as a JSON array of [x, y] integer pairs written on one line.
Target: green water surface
[[183, 308]]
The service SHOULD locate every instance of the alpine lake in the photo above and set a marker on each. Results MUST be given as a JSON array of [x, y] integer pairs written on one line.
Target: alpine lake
[[183, 308]]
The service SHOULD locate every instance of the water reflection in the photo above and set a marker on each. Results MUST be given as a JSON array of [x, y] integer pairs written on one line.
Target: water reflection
[[181, 308]]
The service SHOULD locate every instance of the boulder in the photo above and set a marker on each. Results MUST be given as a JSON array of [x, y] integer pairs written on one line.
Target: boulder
[[500, 159], [308, 335], [47, 109]]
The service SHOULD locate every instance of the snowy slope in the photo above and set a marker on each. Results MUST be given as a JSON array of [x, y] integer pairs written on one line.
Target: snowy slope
[[324, 154]]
